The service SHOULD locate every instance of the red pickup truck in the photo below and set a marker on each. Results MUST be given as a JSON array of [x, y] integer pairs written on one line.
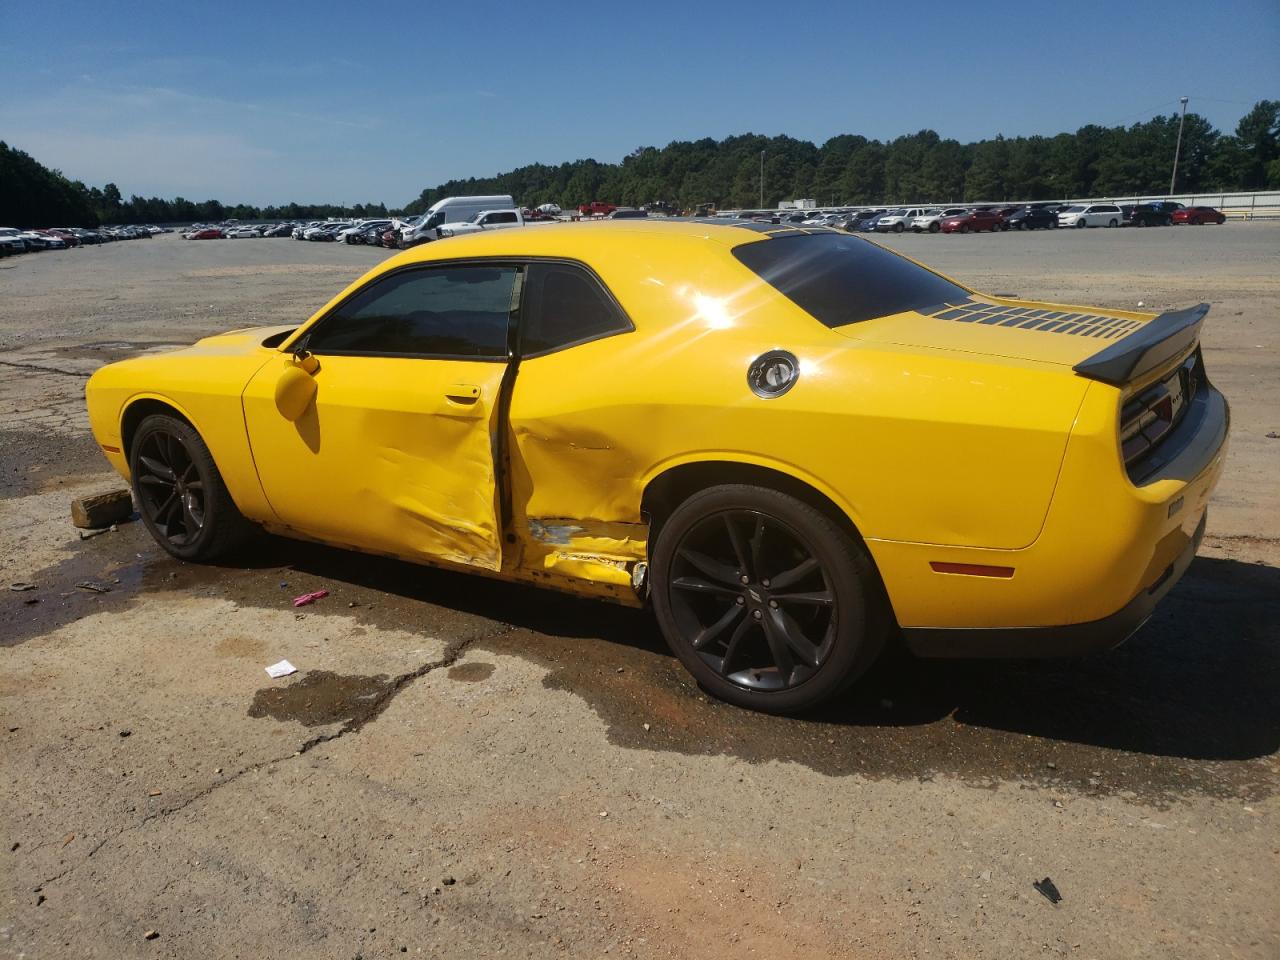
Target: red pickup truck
[[597, 208]]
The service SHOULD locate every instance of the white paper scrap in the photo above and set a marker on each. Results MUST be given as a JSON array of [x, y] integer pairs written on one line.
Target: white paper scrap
[[281, 669]]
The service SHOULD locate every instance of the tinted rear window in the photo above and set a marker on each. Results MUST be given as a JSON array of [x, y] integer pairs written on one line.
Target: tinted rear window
[[840, 279]]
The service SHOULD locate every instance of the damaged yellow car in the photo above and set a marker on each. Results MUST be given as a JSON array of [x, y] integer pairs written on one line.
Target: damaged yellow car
[[793, 442]]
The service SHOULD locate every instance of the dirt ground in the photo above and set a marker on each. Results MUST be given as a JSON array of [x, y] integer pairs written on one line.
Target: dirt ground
[[466, 769]]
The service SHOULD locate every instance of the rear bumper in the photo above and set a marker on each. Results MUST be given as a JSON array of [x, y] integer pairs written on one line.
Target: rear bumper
[[1070, 640]]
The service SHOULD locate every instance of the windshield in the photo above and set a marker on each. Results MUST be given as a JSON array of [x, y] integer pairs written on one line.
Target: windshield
[[840, 279]]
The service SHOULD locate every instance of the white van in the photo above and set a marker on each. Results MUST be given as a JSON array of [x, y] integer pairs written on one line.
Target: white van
[[450, 210], [1093, 215]]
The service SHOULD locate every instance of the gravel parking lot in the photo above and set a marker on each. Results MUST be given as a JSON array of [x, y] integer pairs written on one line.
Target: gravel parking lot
[[465, 768]]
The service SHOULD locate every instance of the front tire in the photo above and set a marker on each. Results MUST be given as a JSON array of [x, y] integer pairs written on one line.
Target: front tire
[[934, 228], [1080, 224], [897, 228], [180, 494], [765, 600]]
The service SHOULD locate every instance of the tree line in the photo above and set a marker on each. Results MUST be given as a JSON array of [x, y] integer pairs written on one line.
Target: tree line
[[847, 169], [852, 169]]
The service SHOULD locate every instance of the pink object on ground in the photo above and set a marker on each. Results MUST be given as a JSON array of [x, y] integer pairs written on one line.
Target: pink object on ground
[[306, 598]]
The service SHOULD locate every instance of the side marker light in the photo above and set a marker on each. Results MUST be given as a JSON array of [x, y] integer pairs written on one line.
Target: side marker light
[[971, 569]]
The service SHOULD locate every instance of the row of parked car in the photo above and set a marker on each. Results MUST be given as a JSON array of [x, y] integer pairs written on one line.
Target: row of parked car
[[1034, 216], [343, 231], [13, 240], [450, 217]]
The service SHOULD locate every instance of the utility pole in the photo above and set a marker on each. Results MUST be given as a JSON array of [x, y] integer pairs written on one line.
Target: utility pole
[[761, 179], [1178, 149]]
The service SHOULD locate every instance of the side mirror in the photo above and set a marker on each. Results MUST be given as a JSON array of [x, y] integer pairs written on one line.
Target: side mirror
[[296, 388]]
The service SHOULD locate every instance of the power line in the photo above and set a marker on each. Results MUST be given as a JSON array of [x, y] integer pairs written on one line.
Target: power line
[[1238, 103]]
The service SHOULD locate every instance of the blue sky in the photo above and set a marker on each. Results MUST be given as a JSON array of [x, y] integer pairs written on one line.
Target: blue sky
[[271, 101]]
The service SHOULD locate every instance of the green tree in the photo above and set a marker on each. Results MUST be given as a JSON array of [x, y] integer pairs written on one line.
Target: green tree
[[985, 179], [1258, 136]]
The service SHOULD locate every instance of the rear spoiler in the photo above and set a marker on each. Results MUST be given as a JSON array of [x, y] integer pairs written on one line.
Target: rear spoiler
[[1147, 348]]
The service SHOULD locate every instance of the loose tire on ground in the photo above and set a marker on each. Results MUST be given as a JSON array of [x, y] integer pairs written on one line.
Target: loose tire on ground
[[765, 600]]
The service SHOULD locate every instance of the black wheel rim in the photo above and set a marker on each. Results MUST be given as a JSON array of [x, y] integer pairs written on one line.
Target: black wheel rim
[[170, 487], [753, 600]]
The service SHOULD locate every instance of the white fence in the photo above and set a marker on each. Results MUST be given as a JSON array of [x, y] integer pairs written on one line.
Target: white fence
[[1237, 206]]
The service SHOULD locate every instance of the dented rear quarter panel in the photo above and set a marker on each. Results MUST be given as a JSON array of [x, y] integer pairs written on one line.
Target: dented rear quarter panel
[[913, 443]]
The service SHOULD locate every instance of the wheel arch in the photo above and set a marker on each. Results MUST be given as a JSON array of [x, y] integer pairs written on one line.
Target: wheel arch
[[138, 408], [673, 483]]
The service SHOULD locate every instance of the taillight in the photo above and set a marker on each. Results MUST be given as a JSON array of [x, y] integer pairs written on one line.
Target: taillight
[[1148, 417]]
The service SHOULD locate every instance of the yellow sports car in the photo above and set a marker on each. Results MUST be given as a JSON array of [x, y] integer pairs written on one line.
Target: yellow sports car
[[792, 441]]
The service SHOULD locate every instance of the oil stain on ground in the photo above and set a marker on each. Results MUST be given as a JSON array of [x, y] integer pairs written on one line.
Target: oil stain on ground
[[322, 697], [472, 672]]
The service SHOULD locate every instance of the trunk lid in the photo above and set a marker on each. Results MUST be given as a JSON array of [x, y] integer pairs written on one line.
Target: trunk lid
[[1014, 329]]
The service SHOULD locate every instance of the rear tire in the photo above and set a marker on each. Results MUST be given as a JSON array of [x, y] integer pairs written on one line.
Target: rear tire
[[180, 494], [1112, 223], [766, 601]]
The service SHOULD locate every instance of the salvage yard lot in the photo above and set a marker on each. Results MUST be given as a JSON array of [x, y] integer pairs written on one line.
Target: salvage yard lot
[[464, 768]]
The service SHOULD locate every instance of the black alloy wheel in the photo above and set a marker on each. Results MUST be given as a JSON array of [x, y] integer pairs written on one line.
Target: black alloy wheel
[[170, 488], [766, 602], [180, 494]]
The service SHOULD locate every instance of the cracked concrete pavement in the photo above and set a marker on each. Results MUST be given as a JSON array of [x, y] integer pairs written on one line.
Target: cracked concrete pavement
[[463, 768]]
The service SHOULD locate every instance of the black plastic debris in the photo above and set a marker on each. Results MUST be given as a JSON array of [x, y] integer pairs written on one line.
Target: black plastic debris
[[1049, 891]]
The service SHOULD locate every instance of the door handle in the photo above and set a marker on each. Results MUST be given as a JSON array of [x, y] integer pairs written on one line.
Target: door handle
[[463, 393]]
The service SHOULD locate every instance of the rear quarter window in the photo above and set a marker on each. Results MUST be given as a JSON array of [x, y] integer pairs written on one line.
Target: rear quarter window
[[841, 279]]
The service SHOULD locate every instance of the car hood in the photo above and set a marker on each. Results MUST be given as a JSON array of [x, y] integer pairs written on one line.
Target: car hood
[[243, 340], [1013, 329]]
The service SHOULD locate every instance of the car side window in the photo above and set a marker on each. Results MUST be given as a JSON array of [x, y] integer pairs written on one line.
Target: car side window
[[444, 311], [564, 304]]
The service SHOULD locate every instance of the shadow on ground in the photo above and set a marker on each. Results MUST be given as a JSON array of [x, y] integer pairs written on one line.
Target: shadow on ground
[[1187, 706]]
